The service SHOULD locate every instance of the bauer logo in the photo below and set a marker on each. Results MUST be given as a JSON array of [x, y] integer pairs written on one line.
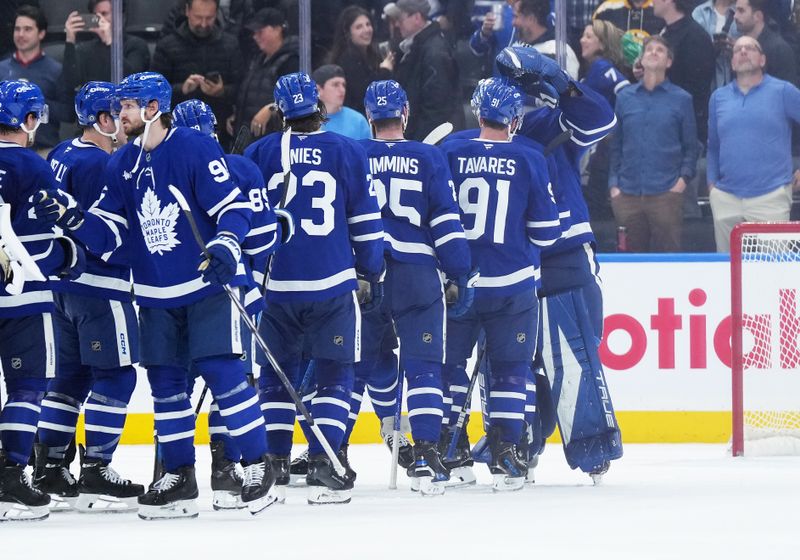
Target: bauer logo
[[158, 225]]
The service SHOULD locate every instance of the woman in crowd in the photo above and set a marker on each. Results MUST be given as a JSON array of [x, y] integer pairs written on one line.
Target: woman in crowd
[[356, 51]]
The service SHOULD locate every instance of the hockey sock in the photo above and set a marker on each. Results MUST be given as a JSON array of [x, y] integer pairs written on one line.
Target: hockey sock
[[20, 415], [173, 415], [507, 398], [277, 407], [331, 406], [382, 385], [424, 398], [457, 381], [60, 408], [238, 404], [219, 432], [107, 409], [356, 398]]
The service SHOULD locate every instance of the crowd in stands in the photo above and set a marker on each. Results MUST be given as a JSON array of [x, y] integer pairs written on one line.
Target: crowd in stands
[[705, 93]]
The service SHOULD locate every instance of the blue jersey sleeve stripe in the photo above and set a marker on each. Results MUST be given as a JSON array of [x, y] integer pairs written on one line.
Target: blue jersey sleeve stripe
[[603, 129], [109, 216], [542, 242], [311, 285], [449, 237], [544, 224], [233, 206], [621, 85], [367, 237], [408, 246], [364, 218], [508, 279], [26, 298], [444, 218], [105, 282], [168, 292], [225, 201], [262, 230], [43, 255], [38, 237]]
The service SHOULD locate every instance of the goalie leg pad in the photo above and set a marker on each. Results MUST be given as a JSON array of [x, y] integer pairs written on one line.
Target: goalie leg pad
[[582, 401]]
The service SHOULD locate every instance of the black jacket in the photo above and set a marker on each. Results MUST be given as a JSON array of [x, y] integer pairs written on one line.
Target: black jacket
[[429, 74], [180, 54], [256, 88], [359, 74], [781, 61], [693, 66], [91, 60]]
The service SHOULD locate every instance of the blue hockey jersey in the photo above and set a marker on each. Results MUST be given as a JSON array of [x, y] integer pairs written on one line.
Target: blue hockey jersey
[[508, 211], [79, 168], [421, 220], [22, 174], [337, 220], [606, 79], [137, 208]]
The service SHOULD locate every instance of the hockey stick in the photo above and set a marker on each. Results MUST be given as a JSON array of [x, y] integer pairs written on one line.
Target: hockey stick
[[17, 260], [241, 141], [462, 414], [263, 345], [438, 134], [396, 431]]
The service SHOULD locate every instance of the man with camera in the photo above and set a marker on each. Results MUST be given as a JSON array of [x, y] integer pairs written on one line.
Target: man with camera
[[201, 61]]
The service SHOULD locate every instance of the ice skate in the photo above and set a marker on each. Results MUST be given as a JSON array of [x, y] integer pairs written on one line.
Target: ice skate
[[258, 479], [19, 500], [405, 456], [52, 477], [280, 468], [508, 470], [325, 485], [597, 473], [173, 496], [345, 461], [299, 469], [460, 465], [428, 475], [226, 480], [103, 490]]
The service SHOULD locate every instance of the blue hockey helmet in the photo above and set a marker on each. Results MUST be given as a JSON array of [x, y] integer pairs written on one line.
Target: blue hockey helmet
[[93, 98], [498, 100], [296, 95], [385, 99], [196, 114], [143, 88], [18, 98]]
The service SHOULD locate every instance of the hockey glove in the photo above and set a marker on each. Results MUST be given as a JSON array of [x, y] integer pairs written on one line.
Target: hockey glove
[[57, 208], [74, 259], [370, 290], [12, 275], [286, 225], [538, 74], [224, 254], [460, 293]]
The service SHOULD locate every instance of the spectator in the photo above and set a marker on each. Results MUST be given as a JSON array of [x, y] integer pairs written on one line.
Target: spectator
[[751, 19], [331, 85], [636, 16], [579, 15], [91, 60], [693, 56], [355, 50], [200, 60], [8, 10], [653, 155], [30, 63], [531, 27], [750, 180], [716, 17], [426, 69], [278, 55], [495, 33]]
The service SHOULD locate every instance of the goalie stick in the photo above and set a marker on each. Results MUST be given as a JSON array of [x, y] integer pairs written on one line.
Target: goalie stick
[[16, 261], [301, 407], [462, 414]]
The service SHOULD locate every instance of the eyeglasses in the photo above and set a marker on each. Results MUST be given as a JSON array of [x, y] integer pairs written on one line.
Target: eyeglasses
[[747, 47]]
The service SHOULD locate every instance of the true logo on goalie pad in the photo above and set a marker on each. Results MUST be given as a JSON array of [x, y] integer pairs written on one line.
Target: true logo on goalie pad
[[158, 226]]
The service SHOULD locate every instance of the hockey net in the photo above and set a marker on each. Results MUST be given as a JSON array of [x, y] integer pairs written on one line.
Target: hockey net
[[765, 341]]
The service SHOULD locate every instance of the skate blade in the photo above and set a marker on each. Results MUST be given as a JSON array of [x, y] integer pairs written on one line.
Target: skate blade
[[530, 478], [297, 480], [278, 491], [102, 503], [427, 486], [62, 504], [258, 505], [461, 477], [321, 495], [181, 509], [17, 512], [225, 500], [505, 483], [597, 479]]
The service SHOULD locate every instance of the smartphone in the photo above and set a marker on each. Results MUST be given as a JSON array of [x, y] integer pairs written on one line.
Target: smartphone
[[90, 21], [213, 76]]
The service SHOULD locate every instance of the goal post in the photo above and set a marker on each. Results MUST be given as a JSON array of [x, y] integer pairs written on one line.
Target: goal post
[[765, 338]]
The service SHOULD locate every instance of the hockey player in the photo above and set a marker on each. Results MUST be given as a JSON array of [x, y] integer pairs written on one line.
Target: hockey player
[[97, 336], [509, 215], [310, 292], [226, 482], [572, 118], [423, 238], [185, 315], [27, 336]]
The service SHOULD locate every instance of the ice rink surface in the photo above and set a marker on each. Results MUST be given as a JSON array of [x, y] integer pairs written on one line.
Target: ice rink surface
[[659, 501]]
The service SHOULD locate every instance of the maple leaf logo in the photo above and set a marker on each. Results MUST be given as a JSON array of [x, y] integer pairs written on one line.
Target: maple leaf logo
[[158, 226]]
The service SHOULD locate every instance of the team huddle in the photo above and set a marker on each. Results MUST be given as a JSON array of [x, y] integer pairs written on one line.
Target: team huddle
[[309, 260]]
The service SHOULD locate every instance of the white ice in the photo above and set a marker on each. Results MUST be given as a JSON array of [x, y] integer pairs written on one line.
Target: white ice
[[658, 502]]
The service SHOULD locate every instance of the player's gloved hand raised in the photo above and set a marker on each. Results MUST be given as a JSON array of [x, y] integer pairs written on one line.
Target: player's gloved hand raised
[[56, 208], [286, 225], [370, 290], [460, 293], [224, 254], [74, 259], [537, 74]]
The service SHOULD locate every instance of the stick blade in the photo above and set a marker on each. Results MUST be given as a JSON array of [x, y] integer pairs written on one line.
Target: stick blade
[[438, 134], [15, 249]]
